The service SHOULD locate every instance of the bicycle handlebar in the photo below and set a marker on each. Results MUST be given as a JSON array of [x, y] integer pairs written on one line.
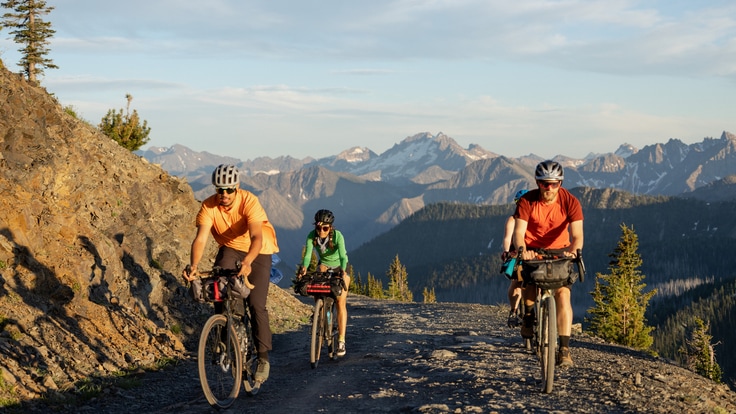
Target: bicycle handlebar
[[578, 259], [320, 275], [581, 265], [215, 271], [219, 271]]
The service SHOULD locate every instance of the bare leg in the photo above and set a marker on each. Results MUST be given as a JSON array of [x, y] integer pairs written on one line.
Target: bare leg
[[564, 311], [342, 309], [530, 295], [514, 294]]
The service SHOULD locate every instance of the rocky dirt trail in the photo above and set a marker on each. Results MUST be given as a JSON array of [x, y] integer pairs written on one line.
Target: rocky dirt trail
[[435, 358]]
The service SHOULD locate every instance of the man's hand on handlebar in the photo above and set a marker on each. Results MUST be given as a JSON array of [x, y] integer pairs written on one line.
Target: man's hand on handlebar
[[244, 271], [189, 273], [528, 255]]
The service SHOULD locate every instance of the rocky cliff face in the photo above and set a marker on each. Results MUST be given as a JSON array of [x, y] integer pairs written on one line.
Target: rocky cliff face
[[92, 240], [85, 227]]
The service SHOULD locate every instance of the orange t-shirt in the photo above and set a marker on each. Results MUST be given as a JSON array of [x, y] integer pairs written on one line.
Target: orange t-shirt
[[230, 226], [547, 225]]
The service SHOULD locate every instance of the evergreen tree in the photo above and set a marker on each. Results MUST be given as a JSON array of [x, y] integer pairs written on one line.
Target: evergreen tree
[[356, 283], [398, 285], [24, 21], [374, 287], [618, 313], [699, 354], [429, 296], [125, 128]]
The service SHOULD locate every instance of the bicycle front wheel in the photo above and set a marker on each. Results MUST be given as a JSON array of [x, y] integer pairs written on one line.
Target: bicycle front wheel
[[219, 362], [317, 332], [548, 343]]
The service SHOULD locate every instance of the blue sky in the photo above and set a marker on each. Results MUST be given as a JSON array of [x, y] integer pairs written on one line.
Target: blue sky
[[313, 78]]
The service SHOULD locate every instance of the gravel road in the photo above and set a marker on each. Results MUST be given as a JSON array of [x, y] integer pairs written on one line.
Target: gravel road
[[436, 358]]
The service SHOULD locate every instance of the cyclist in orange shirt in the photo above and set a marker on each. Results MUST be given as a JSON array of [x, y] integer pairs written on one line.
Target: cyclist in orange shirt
[[240, 226], [549, 218]]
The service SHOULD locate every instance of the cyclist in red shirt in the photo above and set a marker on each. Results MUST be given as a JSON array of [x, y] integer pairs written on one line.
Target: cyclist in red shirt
[[549, 218]]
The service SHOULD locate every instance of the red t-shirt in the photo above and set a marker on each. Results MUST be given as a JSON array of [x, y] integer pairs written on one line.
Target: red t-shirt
[[547, 226]]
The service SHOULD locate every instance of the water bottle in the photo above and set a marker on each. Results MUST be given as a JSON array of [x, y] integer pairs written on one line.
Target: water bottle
[[329, 318], [276, 274]]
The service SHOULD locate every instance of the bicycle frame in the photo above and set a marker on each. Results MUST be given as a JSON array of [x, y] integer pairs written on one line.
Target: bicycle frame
[[323, 329], [324, 317], [226, 352], [545, 337]]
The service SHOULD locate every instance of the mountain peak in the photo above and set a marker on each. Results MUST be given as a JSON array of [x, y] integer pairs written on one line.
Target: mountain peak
[[625, 150], [356, 155]]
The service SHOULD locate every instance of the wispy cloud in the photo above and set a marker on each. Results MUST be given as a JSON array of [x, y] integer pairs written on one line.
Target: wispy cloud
[[552, 76]]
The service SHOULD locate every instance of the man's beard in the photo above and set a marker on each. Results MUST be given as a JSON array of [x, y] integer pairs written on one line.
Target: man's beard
[[229, 203], [548, 196]]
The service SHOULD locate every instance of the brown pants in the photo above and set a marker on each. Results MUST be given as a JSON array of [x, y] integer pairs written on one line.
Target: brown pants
[[260, 276]]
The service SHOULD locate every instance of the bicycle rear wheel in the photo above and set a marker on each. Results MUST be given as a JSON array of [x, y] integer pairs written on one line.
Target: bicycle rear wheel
[[548, 343], [250, 358], [219, 362], [317, 332]]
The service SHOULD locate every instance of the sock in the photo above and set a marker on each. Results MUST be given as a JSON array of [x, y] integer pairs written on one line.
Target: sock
[[341, 338], [564, 341], [263, 356]]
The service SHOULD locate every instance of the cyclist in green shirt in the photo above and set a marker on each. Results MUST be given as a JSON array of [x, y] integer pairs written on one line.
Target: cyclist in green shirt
[[329, 245]]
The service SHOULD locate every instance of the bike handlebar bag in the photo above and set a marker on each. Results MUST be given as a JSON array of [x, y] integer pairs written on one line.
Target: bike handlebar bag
[[548, 274], [211, 289], [237, 287]]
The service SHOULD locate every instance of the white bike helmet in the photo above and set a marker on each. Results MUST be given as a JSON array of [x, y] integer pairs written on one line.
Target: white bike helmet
[[549, 171], [225, 176]]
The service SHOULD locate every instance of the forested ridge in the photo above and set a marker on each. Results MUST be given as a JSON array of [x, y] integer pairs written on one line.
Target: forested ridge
[[685, 245], [674, 318]]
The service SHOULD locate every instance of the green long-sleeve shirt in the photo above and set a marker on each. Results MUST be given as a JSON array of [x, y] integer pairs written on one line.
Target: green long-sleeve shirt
[[337, 256]]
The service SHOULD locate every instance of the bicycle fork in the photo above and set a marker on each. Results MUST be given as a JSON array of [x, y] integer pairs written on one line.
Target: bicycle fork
[[541, 317]]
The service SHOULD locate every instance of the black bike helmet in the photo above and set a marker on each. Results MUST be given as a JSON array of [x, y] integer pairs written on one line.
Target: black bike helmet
[[225, 176], [324, 216], [549, 171]]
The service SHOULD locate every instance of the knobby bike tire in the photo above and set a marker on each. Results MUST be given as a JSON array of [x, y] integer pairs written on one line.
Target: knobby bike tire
[[219, 362], [549, 343], [317, 335], [536, 340], [250, 358]]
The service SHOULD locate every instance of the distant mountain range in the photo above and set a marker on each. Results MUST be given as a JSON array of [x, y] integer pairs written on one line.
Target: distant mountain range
[[370, 193]]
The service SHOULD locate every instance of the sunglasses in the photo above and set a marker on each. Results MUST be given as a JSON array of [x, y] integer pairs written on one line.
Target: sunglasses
[[223, 190], [548, 184], [323, 228]]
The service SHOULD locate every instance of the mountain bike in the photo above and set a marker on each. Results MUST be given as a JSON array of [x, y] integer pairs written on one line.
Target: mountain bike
[[549, 272], [227, 353], [321, 286]]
